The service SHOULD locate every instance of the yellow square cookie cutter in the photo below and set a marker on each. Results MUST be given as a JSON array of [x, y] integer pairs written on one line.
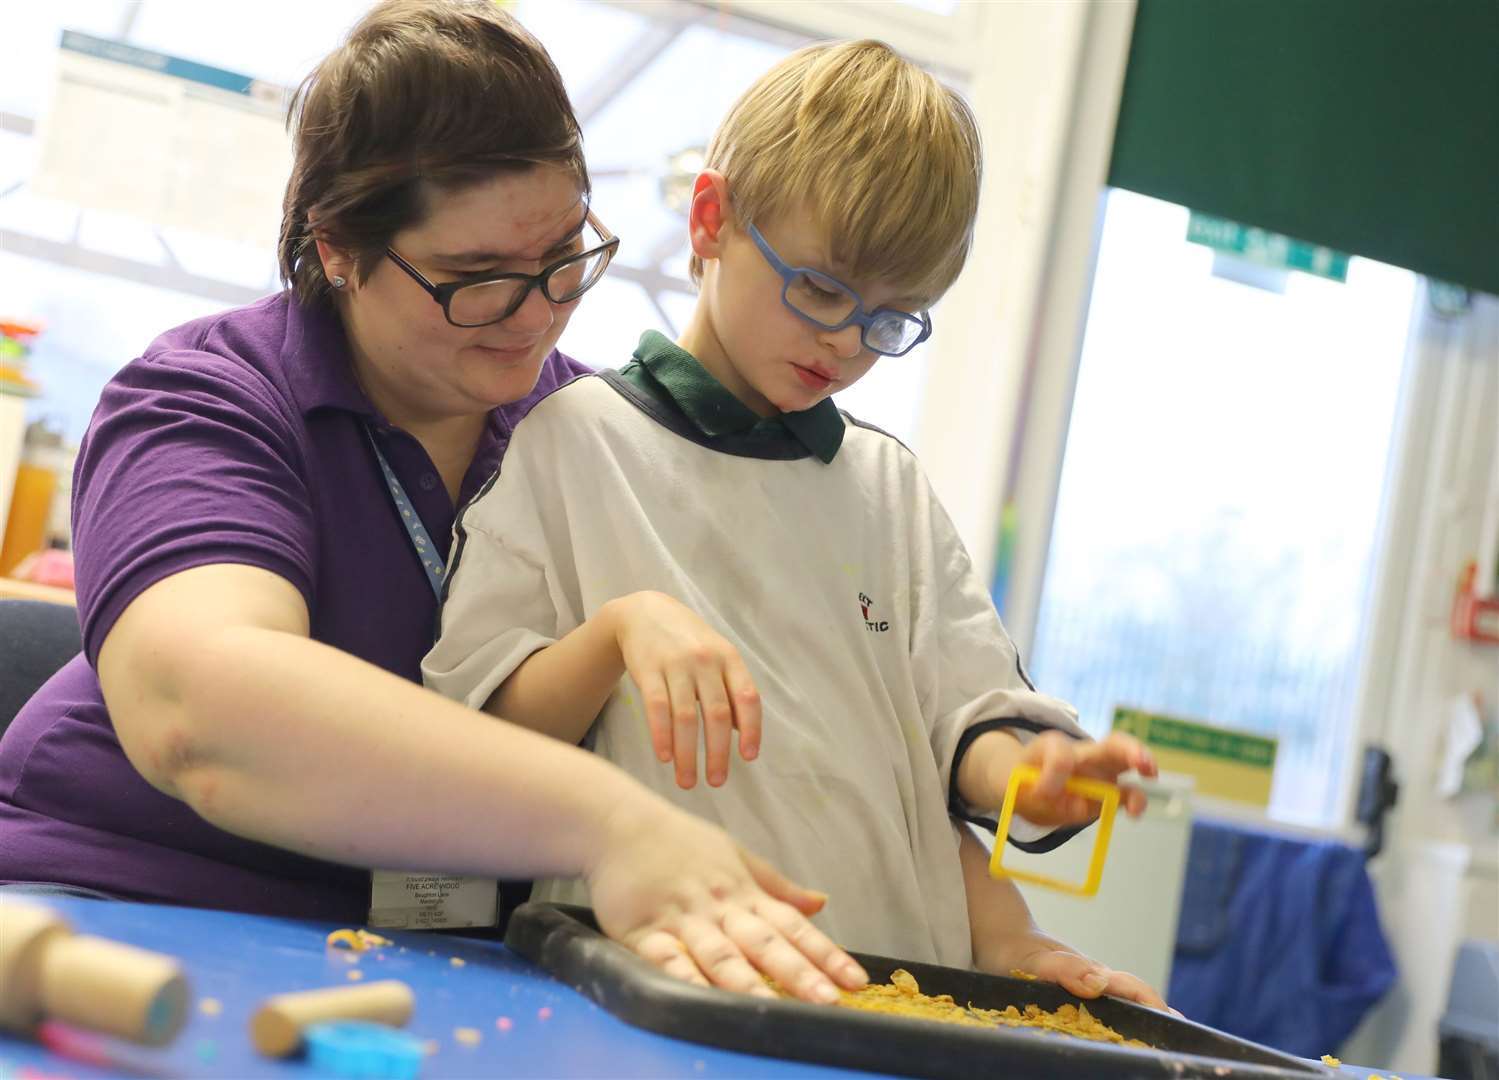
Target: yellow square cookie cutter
[[1099, 790]]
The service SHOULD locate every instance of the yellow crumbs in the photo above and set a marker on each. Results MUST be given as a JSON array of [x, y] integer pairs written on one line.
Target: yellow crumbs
[[210, 1006], [903, 997], [457, 961], [1328, 1059], [354, 975], [357, 940], [467, 1036]]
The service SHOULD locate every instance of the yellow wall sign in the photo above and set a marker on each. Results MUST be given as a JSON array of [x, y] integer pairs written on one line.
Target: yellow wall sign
[[1228, 764]]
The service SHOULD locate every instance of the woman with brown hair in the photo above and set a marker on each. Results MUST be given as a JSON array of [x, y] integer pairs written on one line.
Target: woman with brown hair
[[262, 507]]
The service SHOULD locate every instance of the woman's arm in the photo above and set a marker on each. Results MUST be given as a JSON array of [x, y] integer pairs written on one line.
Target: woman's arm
[[220, 699]]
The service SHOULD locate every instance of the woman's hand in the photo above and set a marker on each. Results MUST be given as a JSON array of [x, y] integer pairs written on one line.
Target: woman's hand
[[680, 893], [1034, 953], [681, 665]]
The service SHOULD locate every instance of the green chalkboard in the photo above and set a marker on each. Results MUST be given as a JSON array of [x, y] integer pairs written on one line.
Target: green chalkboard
[[1369, 126]]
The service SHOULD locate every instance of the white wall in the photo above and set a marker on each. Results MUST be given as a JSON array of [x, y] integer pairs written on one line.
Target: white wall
[[999, 392], [1437, 881]]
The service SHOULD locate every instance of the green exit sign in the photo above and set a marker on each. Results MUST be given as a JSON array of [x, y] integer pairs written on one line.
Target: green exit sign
[[1266, 248]]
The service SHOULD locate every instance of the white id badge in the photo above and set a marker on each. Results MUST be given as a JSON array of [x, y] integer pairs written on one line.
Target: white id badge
[[403, 901]]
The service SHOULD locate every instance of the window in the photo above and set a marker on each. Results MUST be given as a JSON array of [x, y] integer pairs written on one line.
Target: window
[[1220, 495], [106, 284]]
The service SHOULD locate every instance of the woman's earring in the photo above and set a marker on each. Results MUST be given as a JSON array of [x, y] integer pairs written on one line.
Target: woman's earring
[[338, 282]]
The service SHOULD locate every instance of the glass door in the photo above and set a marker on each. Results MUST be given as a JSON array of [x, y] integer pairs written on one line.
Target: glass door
[[1221, 493]]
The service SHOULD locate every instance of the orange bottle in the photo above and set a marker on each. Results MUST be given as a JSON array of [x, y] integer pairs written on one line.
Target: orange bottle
[[31, 500]]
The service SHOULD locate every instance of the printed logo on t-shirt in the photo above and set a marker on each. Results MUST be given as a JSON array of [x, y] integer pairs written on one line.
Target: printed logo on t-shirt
[[874, 626]]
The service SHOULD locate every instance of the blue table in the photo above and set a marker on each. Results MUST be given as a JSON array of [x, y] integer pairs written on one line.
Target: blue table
[[239, 960]]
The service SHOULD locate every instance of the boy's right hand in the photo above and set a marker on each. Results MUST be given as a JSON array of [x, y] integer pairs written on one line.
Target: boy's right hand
[[680, 893], [681, 664]]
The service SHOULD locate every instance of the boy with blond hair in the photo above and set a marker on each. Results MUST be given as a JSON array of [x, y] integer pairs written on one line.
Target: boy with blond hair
[[706, 521]]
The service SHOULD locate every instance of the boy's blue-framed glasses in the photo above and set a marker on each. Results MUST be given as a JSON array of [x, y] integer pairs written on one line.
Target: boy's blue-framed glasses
[[828, 303]]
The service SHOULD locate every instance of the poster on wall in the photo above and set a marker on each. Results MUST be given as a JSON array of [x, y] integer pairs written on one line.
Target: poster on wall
[[168, 140]]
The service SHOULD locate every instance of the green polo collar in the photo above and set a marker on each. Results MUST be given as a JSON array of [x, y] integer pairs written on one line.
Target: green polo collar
[[669, 374]]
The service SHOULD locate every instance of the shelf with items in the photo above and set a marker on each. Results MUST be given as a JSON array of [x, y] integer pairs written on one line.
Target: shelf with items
[[16, 336]]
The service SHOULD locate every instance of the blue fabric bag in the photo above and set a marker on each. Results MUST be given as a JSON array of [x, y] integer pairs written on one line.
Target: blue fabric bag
[[1279, 939]]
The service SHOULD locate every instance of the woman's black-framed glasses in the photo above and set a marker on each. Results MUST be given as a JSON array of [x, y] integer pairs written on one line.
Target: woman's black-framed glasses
[[493, 298]]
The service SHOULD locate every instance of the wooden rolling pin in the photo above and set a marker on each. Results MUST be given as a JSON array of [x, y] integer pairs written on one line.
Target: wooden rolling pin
[[276, 1027], [49, 973]]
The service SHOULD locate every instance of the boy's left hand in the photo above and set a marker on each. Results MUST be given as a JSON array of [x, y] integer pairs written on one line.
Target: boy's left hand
[[1047, 958], [1056, 757]]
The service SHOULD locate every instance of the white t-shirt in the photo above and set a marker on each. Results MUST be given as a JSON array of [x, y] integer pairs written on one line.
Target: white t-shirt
[[844, 586]]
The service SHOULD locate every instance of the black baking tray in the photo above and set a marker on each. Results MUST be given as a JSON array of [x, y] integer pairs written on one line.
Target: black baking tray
[[566, 942]]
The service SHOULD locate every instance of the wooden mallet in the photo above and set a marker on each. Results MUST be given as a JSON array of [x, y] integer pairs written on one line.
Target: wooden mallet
[[277, 1026], [49, 973]]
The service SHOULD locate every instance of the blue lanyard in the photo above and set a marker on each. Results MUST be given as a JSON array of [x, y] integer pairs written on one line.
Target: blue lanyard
[[421, 542]]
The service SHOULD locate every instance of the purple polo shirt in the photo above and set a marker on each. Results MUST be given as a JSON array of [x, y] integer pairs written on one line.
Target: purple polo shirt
[[237, 438]]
